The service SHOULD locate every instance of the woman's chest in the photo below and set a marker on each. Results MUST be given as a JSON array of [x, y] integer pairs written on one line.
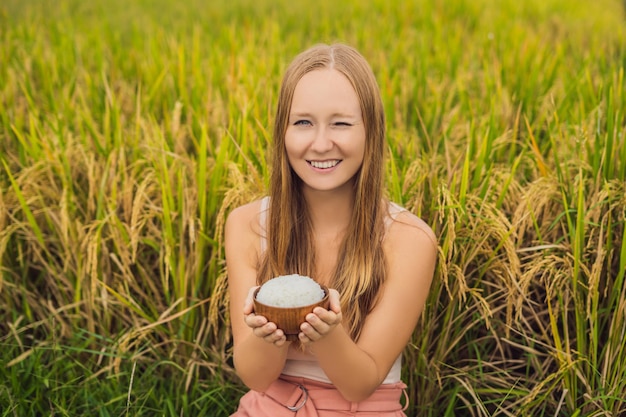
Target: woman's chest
[[326, 258]]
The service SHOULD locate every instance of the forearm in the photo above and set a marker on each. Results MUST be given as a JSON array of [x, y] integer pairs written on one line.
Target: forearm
[[353, 372], [259, 363]]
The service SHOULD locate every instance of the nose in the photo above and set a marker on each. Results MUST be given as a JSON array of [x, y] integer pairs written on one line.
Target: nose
[[322, 142]]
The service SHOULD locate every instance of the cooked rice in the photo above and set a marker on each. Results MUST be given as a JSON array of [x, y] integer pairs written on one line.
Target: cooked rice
[[290, 291]]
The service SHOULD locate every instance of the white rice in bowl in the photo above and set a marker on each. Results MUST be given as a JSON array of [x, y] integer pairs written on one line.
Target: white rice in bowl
[[290, 291]]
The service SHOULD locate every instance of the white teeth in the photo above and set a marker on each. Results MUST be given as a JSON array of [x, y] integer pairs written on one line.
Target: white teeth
[[324, 164]]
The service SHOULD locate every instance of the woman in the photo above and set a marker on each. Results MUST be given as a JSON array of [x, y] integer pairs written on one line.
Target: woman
[[326, 217]]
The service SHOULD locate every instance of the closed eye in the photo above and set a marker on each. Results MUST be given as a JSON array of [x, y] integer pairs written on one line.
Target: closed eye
[[342, 124]]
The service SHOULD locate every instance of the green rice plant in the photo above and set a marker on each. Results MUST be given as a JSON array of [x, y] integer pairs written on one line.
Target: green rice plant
[[43, 375]]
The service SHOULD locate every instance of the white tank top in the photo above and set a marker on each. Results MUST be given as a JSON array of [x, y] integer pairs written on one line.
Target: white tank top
[[310, 368]]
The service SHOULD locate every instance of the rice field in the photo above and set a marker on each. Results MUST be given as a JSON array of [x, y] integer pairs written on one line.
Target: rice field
[[128, 130]]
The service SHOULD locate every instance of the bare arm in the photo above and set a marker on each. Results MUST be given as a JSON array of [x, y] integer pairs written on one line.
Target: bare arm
[[260, 349], [357, 369]]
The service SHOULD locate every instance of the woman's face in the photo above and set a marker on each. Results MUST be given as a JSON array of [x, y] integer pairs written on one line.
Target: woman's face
[[325, 137]]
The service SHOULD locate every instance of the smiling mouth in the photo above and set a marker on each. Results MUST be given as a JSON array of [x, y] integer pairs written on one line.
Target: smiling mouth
[[324, 164]]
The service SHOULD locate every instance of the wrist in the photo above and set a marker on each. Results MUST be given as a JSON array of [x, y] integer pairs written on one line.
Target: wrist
[[331, 342]]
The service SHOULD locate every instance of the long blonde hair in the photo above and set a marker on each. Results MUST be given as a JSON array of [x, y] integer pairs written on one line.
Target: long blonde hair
[[360, 271]]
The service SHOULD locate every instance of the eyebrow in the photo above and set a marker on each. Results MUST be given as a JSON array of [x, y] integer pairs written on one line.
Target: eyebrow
[[338, 114]]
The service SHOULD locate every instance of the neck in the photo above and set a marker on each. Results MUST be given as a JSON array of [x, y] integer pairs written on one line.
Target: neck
[[330, 211]]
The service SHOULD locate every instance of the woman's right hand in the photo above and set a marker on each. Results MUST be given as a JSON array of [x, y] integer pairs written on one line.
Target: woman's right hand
[[260, 326]]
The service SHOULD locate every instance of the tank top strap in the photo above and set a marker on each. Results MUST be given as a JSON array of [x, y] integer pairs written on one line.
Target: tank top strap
[[265, 206], [394, 210]]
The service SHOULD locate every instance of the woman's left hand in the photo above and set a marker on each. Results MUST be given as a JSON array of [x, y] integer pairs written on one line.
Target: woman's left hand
[[321, 322]]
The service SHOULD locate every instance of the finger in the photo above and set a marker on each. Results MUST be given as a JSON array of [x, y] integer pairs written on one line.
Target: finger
[[318, 324], [327, 316], [248, 304], [265, 330], [254, 321], [335, 304], [277, 337], [310, 332], [304, 339], [281, 341]]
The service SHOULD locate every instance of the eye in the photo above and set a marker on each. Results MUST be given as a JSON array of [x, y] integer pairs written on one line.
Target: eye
[[342, 124], [302, 122]]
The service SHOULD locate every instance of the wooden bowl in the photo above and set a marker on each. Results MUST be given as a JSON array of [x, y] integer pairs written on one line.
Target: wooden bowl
[[289, 319]]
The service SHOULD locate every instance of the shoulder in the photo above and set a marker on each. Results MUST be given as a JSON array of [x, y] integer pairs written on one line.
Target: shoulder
[[245, 212], [242, 236], [245, 220], [406, 227], [411, 251]]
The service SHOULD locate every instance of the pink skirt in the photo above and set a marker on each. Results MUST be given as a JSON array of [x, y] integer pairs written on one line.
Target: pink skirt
[[301, 397]]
